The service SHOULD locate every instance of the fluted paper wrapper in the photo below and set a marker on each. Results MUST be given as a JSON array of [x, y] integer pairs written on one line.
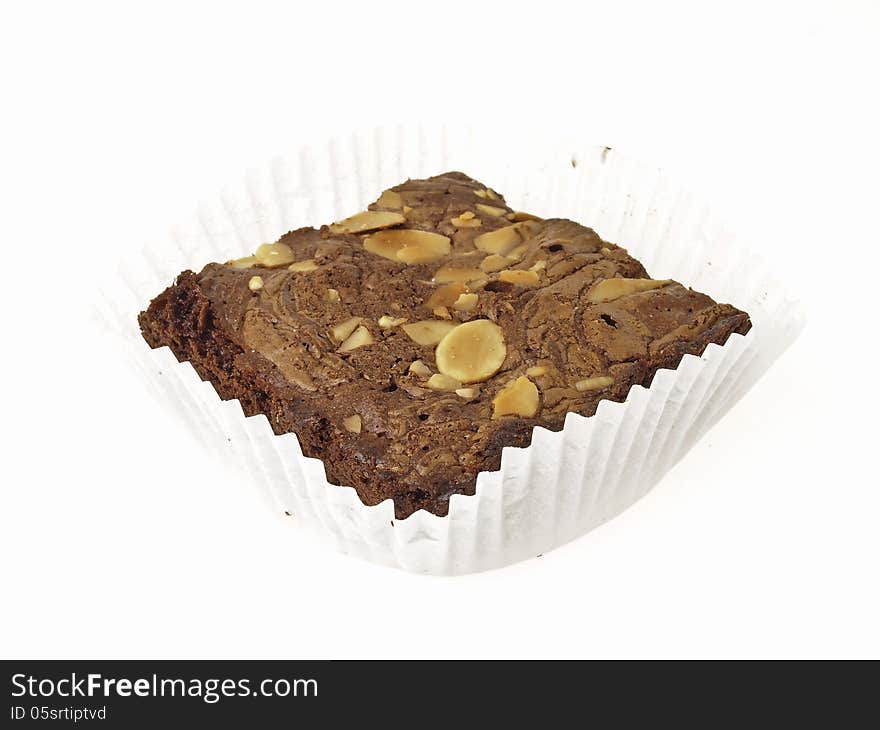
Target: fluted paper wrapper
[[566, 482]]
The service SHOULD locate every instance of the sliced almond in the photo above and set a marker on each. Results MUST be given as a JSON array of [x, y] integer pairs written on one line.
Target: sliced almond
[[390, 199], [274, 254], [602, 381], [466, 302], [303, 266], [499, 241], [502, 240], [341, 331], [360, 337], [491, 194], [517, 253], [518, 398], [467, 393], [472, 352], [536, 371], [331, 295], [367, 220], [417, 367], [387, 322], [428, 331], [495, 262], [450, 274], [519, 277], [490, 210], [417, 255], [384, 246], [243, 263], [445, 295], [529, 228], [439, 381], [608, 290], [389, 243], [519, 216], [481, 194], [352, 423]]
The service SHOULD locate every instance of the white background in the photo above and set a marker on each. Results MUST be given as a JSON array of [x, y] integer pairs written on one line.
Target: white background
[[119, 538]]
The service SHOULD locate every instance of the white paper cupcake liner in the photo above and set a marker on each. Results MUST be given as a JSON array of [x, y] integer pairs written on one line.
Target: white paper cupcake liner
[[566, 482]]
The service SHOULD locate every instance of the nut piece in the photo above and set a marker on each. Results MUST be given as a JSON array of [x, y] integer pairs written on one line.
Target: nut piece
[[519, 277], [274, 254], [301, 266], [445, 295], [602, 381], [386, 321], [332, 295], [390, 199], [360, 337], [536, 371], [438, 381], [499, 241], [417, 367], [519, 216], [368, 220], [352, 423], [449, 274], [605, 251], [518, 398], [467, 393], [495, 262], [243, 263], [472, 352], [417, 255], [490, 210], [608, 290], [539, 265], [466, 220], [472, 223], [466, 302], [388, 243], [502, 240], [428, 331], [341, 331], [487, 194], [518, 252], [255, 283], [442, 313]]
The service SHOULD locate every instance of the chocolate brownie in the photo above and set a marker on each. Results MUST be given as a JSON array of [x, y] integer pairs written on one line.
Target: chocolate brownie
[[407, 345]]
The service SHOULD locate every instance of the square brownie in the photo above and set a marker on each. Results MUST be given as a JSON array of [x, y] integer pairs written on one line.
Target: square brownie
[[407, 345]]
